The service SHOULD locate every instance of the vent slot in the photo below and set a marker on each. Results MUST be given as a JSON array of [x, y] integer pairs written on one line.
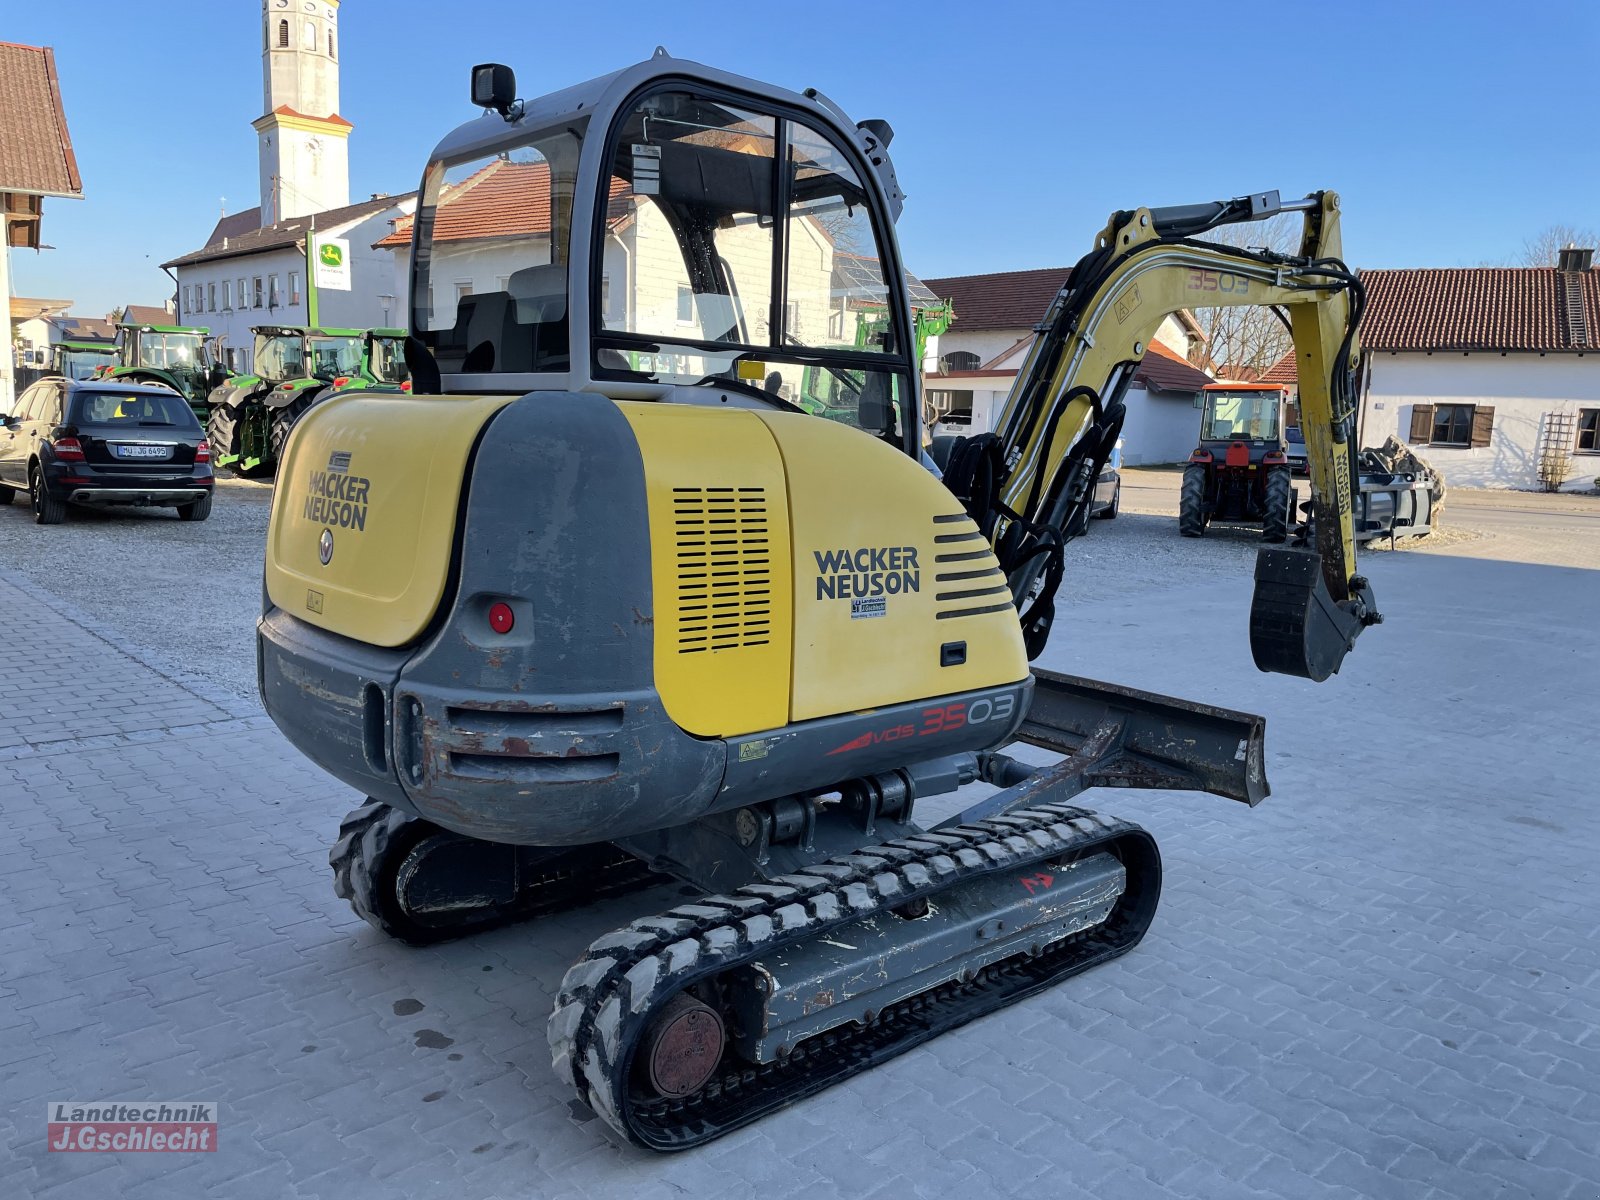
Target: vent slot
[[724, 568]]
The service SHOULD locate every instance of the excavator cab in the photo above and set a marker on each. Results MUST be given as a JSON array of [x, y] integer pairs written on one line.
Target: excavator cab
[[680, 236]]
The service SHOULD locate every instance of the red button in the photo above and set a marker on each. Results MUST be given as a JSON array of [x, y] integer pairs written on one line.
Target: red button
[[501, 618]]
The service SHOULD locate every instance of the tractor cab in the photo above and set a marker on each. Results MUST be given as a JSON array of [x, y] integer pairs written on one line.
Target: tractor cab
[[175, 356], [1240, 470], [650, 236], [81, 358], [383, 361], [299, 356], [1247, 416]]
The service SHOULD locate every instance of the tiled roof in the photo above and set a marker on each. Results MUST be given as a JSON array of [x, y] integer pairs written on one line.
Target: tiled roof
[[147, 314], [1283, 371], [1005, 300], [85, 327], [25, 308], [1167, 371], [35, 147], [502, 199], [235, 225], [1480, 308], [283, 233]]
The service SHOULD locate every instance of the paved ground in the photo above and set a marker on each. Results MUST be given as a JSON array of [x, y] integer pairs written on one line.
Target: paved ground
[[1385, 981]]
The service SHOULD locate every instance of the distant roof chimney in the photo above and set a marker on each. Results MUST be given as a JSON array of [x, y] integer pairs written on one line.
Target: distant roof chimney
[[1574, 259]]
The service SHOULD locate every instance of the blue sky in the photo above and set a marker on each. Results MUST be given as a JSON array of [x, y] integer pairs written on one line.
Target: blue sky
[[1453, 130]]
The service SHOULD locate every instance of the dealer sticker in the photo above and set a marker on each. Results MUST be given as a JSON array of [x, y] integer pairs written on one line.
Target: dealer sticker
[[868, 606]]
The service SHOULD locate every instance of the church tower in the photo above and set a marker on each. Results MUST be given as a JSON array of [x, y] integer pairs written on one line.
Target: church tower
[[305, 162]]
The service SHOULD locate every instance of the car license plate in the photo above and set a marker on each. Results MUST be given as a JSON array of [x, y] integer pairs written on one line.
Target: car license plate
[[142, 451]]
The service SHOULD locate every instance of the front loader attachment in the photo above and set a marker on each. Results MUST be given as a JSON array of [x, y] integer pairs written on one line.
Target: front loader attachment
[[1296, 625]]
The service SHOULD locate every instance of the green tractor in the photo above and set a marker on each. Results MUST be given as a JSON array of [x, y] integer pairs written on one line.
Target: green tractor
[[382, 369], [172, 355], [295, 367], [834, 393], [79, 358]]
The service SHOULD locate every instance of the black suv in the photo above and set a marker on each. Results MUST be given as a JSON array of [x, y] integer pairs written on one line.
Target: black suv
[[71, 442]]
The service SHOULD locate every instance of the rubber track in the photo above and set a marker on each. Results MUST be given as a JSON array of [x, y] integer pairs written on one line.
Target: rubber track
[[609, 996], [368, 835]]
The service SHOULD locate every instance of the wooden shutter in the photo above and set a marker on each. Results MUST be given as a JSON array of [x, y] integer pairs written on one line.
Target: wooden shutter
[[1482, 425], [1421, 423]]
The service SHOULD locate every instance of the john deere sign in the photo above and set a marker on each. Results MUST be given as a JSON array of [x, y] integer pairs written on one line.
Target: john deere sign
[[331, 264]]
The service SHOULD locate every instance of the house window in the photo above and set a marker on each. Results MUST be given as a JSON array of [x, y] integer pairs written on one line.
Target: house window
[[283, 35], [244, 296], [1588, 431], [294, 287], [227, 296], [463, 290], [685, 306], [258, 292], [273, 297], [1459, 425], [211, 297], [1452, 425], [960, 360], [331, 54], [187, 305], [792, 320], [605, 293]]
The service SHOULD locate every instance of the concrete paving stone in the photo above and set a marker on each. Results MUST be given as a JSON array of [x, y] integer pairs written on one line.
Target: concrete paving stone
[[1296, 956], [912, 1154]]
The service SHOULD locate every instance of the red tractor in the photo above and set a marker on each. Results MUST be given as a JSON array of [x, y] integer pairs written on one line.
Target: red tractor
[[1240, 470]]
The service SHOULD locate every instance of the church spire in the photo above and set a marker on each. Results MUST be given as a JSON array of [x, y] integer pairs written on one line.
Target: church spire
[[304, 154]]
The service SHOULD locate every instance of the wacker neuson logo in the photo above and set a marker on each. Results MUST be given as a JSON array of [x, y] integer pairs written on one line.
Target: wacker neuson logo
[[164, 1126], [335, 497], [867, 572]]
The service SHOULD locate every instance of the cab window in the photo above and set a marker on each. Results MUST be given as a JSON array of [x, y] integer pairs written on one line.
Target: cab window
[[738, 250], [489, 289]]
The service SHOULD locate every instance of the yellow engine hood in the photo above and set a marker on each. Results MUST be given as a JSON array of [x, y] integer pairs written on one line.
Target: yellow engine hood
[[364, 517]]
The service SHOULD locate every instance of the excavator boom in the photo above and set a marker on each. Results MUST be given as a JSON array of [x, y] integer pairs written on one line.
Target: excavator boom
[[1025, 482]]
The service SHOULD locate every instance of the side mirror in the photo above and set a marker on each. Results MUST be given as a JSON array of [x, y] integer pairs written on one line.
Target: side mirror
[[494, 85]]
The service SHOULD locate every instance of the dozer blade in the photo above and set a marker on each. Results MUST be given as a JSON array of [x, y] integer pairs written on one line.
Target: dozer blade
[[1115, 736], [1296, 625]]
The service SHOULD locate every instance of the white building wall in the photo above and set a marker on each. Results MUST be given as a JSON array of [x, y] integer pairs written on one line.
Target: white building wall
[[371, 301], [1522, 388], [1161, 427], [986, 343]]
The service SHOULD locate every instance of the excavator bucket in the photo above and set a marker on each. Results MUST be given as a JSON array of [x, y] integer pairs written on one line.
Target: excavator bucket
[[1296, 626]]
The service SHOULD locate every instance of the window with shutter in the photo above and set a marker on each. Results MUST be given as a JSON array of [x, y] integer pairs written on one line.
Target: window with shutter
[[1421, 423], [1452, 425], [1482, 425]]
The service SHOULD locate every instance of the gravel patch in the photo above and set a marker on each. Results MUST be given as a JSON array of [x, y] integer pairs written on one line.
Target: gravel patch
[[184, 596]]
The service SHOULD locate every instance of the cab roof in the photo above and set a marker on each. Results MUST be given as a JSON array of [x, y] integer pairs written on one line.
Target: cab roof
[[197, 330]]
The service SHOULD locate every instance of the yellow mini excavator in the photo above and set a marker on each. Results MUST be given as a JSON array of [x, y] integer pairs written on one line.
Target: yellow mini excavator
[[652, 576]]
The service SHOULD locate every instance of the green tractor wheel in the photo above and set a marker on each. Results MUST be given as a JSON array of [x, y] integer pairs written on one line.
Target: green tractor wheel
[[284, 419], [222, 431]]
